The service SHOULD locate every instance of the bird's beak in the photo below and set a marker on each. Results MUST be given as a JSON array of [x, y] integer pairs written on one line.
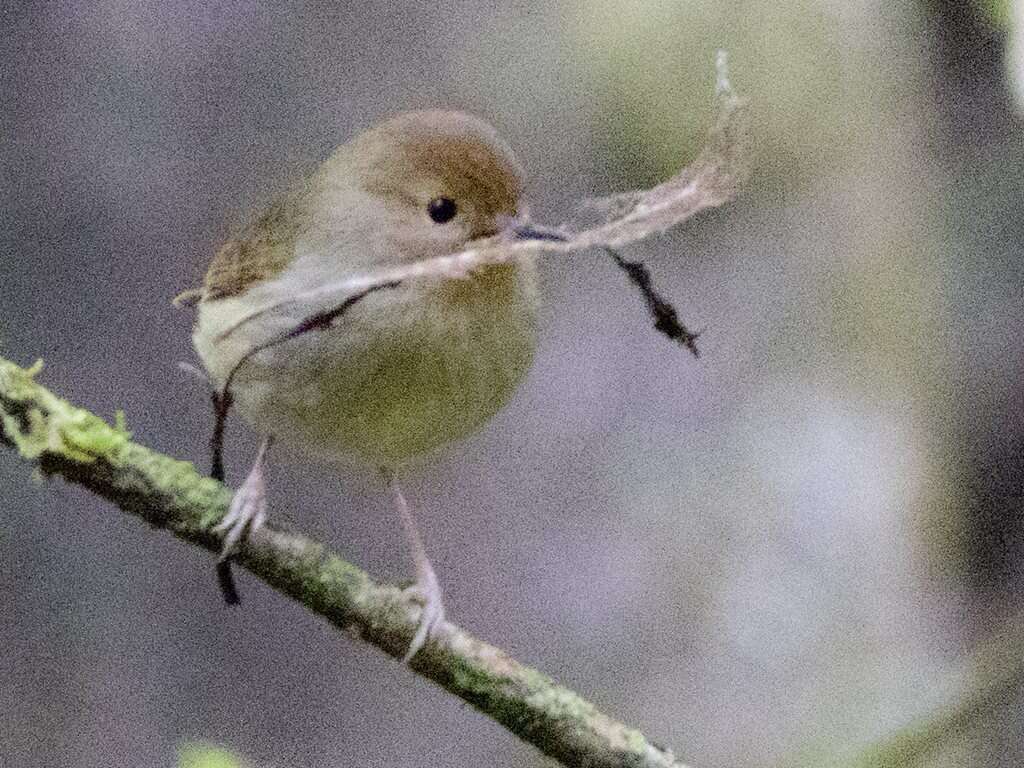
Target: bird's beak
[[521, 228], [534, 232]]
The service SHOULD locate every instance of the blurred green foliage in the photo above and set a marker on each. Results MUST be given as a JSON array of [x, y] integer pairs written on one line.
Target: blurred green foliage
[[997, 12], [199, 755], [653, 74]]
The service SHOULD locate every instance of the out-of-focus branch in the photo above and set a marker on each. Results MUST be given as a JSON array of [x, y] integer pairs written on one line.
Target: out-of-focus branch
[[994, 676], [60, 439]]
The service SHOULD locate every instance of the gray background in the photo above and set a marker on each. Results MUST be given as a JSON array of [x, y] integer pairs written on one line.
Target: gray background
[[784, 548]]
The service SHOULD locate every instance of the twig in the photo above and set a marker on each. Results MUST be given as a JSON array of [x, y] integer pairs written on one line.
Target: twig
[[666, 318], [711, 180], [78, 446]]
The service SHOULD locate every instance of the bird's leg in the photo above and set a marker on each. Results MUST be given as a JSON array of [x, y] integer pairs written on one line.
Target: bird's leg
[[248, 510], [426, 587]]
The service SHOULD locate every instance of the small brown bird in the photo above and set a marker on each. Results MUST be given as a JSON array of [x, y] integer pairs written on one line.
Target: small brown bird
[[405, 371]]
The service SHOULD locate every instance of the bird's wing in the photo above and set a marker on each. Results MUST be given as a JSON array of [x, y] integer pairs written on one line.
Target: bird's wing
[[260, 252]]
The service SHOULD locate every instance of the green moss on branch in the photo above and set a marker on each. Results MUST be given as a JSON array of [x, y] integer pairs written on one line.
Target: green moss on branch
[[61, 439]]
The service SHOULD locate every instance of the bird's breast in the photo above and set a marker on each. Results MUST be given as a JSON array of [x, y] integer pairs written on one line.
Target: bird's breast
[[401, 374]]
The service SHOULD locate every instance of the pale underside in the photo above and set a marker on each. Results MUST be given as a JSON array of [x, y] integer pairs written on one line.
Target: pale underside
[[403, 373]]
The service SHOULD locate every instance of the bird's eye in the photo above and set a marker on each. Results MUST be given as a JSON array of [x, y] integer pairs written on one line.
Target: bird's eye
[[442, 209]]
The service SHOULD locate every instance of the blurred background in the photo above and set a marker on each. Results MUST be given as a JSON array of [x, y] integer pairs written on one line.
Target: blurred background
[[773, 555]]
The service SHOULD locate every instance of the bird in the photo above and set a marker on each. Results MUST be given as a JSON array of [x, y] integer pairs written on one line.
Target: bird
[[405, 372]]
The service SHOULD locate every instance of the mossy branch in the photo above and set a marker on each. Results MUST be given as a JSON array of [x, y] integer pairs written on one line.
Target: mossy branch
[[60, 439], [72, 443]]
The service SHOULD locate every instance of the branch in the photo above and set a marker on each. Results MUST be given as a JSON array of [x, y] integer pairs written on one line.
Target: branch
[[60, 439]]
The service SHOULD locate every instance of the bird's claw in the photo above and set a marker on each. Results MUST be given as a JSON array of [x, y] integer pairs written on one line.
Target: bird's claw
[[247, 513], [426, 591]]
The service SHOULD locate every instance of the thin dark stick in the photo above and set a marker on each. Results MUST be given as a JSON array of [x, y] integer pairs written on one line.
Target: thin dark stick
[[226, 582], [666, 319], [221, 405]]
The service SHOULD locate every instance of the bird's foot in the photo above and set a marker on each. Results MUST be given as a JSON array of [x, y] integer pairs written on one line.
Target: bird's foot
[[427, 591], [248, 510]]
